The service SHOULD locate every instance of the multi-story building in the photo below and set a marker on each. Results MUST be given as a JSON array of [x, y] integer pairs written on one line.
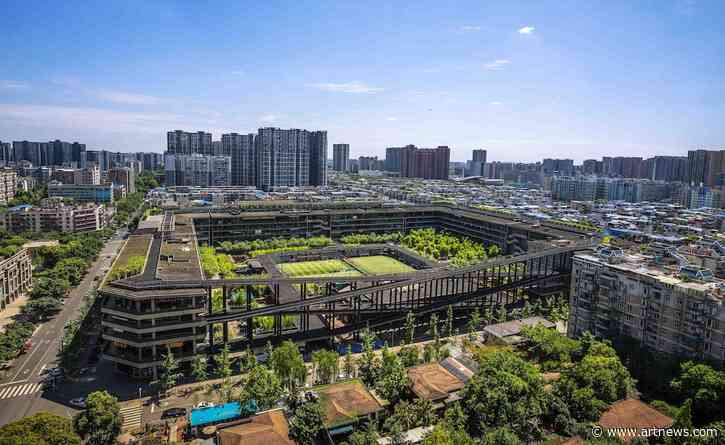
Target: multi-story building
[[392, 159], [8, 184], [185, 143], [667, 168], [282, 158], [706, 167], [82, 192], [55, 217], [341, 157], [591, 167], [56, 152], [241, 149], [318, 157], [425, 163], [6, 154], [678, 312], [563, 167], [16, 276], [198, 170], [368, 163], [591, 188], [123, 176]]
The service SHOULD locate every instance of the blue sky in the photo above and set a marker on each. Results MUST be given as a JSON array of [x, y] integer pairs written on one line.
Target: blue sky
[[525, 80]]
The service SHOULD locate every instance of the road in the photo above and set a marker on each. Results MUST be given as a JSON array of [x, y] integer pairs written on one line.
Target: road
[[21, 392]]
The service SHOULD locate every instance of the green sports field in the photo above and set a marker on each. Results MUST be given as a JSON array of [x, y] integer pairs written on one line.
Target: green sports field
[[379, 264], [322, 268]]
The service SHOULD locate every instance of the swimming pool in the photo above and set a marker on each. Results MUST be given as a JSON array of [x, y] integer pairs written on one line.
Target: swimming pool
[[214, 414]]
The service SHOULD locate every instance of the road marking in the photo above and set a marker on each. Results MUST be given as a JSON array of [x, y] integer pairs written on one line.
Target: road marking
[[131, 416], [20, 390], [14, 382], [41, 370]]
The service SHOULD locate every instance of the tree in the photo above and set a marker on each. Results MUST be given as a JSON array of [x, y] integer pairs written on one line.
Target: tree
[[409, 328], [288, 363], [449, 321], [326, 365], [473, 324], [501, 436], [262, 386], [41, 308], [368, 436], [198, 368], [506, 391], [307, 422], [409, 356], [705, 387], [501, 314], [40, 429], [169, 371], [249, 360], [45, 287], [392, 378], [369, 365], [349, 366], [433, 332], [223, 363], [443, 434], [100, 422], [681, 422]]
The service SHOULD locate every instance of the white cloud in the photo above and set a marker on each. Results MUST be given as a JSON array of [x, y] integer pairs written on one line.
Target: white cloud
[[354, 87], [497, 64], [527, 30], [392, 118], [495, 103], [83, 118], [13, 85], [121, 97], [468, 28], [269, 118], [239, 73]]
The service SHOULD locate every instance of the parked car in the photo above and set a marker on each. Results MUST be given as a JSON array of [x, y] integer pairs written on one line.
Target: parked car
[[173, 413], [80, 402], [204, 404]]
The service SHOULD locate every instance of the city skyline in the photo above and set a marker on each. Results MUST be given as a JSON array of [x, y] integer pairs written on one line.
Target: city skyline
[[522, 81]]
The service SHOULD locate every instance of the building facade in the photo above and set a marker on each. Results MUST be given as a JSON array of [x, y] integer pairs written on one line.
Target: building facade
[[241, 149], [187, 143], [123, 176], [424, 163], [8, 184], [630, 298], [341, 157], [82, 192], [16, 277], [55, 217]]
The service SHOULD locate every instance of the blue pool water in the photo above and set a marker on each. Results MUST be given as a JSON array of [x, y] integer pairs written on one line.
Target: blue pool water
[[214, 414]]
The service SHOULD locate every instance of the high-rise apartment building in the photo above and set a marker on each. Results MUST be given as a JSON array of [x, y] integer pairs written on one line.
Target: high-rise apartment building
[[6, 153], [706, 167], [564, 167], [52, 153], [477, 165], [614, 294], [186, 143], [241, 150], [341, 157], [425, 163], [318, 157], [392, 158], [198, 170], [479, 156], [123, 176], [283, 158], [8, 182]]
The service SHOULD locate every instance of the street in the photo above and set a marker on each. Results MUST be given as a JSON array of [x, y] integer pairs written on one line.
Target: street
[[21, 391]]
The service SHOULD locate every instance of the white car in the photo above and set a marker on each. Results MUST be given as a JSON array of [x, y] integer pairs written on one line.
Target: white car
[[204, 404], [80, 402]]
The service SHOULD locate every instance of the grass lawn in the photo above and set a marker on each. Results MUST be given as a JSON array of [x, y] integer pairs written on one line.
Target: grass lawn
[[379, 264], [322, 268]]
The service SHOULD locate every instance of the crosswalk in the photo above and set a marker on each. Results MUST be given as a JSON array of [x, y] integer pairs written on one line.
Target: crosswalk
[[23, 389], [131, 416]]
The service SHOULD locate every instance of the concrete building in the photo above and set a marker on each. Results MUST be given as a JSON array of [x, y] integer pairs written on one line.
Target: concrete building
[[8, 184], [679, 312], [82, 192], [186, 143], [123, 176], [425, 163], [706, 167], [341, 157], [198, 170], [16, 277], [562, 167], [318, 157], [282, 158], [241, 149], [392, 159], [55, 217]]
